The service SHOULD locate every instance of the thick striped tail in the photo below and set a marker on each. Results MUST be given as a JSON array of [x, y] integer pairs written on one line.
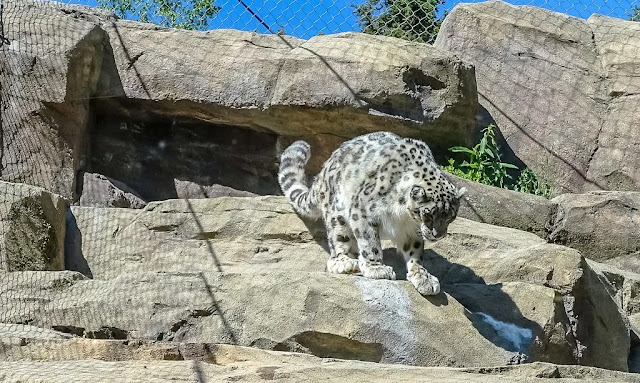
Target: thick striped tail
[[293, 180]]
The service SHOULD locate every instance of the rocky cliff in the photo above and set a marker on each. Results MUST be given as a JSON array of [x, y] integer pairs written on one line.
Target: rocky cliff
[[142, 235]]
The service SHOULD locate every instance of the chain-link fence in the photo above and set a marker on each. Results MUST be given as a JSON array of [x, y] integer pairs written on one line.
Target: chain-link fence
[[116, 139], [411, 19]]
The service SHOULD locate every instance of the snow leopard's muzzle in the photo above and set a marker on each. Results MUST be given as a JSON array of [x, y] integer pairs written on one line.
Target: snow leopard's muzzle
[[432, 234]]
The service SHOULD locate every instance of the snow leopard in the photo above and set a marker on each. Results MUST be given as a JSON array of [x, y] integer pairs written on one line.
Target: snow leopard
[[376, 186]]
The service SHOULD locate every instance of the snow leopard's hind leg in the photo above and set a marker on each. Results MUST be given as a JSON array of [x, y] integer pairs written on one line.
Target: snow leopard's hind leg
[[425, 283], [342, 244]]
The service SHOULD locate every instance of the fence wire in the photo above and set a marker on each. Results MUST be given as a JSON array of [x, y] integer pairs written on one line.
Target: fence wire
[[45, 123]]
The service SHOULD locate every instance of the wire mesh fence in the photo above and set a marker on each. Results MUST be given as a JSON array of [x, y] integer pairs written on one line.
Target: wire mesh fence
[[112, 137], [416, 20]]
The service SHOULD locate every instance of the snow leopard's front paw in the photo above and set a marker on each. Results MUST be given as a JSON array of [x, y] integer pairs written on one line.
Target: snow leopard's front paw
[[342, 264], [425, 283], [376, 270]]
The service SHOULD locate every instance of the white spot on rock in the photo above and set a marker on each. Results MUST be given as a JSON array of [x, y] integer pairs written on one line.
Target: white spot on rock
[[389, 313], [520, 337]]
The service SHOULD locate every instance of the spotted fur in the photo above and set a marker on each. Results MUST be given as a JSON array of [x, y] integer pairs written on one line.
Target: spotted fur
[[374, 186]]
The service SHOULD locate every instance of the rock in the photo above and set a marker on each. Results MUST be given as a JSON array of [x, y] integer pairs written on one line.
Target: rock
[[233, 363], [604, 226], [562, 90], [221, 234], [191, 190], [186, 112], [219, 362], [585, 315], [359, 319], [232, 127], [48, 76], [624, 287], [296, 88], [615, 163], [255, 243], [102, 191], [16, 336], [502, 207], [32, 228]]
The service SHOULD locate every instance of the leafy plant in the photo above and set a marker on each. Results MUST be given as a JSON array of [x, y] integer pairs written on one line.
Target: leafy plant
[[483, 164], [483, 161], [528, 183], [184, 14], [413, 20]]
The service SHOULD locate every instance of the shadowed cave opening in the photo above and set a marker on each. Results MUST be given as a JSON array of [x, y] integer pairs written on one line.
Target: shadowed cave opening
[[158, 154]]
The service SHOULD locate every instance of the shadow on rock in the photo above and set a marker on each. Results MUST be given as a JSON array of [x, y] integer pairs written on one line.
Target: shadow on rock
[[488, 307]]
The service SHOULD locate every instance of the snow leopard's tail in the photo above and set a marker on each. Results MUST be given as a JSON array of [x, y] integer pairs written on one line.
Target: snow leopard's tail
[[293, 180]]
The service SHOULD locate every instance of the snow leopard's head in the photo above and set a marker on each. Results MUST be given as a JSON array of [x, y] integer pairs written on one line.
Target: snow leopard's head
[[435, 207]]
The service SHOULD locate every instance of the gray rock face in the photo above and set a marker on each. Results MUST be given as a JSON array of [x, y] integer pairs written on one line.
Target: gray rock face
[[184, 362], [604, 226], [563, 91], [48, 74], [502, 207], [186, 112], [246, 253], [297, 88], [102, 191], [32, 228]]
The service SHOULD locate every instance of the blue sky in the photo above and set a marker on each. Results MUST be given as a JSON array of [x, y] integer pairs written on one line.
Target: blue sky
[[306, 18]]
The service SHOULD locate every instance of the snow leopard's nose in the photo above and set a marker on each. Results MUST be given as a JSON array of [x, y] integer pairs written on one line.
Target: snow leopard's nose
[[438, 234]]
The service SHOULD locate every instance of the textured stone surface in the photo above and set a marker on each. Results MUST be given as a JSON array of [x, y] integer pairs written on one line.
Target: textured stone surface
[[327, 89], [32, 228], [48, 73], [562, 90], [604, 226], [229, 364], [541, 288], [585, 315], [313, 312], [102, 191], [127, 361], [502, 207], [165, 114]]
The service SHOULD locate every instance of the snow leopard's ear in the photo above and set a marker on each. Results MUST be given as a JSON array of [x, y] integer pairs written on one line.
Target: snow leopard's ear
[[462, 191], [418, 194]]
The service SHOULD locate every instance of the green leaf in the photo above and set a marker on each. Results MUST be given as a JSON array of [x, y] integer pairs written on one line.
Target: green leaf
[[461, 149]]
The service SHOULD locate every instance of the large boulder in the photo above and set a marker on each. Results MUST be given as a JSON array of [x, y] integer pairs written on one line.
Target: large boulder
[[324, 90], [624, 287], [503, 207], [584, 316], [511, 295], [32, 228], [48, 73], [604, 226], [102, 191], [327, 89], [212, 108], [562, 90]]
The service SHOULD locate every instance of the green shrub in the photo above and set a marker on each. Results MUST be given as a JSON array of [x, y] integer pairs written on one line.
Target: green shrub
[[528, 183], [483, 164]]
